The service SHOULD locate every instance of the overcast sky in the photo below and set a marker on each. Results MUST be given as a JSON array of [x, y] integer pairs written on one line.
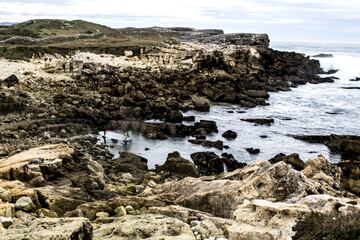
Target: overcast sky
[[336, 21]]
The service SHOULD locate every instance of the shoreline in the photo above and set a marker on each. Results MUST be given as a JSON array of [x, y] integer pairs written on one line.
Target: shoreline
[[56, 179]]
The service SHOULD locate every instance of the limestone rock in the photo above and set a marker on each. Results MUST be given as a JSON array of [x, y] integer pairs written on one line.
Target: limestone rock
[[120, 211], [7, 210], [25, 204], [5, 195], [51, 228], [145, 226]]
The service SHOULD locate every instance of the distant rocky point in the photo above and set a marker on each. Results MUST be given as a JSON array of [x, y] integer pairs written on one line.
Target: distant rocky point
[[323, 55]]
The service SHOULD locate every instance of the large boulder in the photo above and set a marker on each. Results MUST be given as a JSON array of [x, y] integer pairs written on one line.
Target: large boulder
[[129, 162], [176, 165], [11, 81], [292, 159], [259, 180], [351, 175], [209, 163], [229, 135], [49, 229], [200, 103], [149, 226]]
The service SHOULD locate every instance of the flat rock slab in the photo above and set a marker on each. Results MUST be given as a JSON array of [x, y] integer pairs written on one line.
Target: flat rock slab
[[50, 229], [47, 154], [148, 226]]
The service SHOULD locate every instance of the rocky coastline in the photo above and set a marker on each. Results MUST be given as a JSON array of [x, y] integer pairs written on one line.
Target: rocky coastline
[[58, 182]]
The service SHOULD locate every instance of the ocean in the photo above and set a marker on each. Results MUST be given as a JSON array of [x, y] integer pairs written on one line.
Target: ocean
[[312, 109]]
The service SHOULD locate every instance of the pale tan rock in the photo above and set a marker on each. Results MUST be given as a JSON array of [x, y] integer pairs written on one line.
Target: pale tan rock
[[7, 210], [50, 229], [145, 226], [5, 195], [49, 154]]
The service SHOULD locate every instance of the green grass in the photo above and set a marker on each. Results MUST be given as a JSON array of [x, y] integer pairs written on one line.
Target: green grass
[[328, 227], [105, 40]]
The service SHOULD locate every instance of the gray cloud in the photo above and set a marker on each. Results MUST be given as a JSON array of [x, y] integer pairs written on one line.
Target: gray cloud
[[289, 20]]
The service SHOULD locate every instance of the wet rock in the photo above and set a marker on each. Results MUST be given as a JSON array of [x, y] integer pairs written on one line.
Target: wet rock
[[208, 163], [189, 118], [11, 81], [174, 117], [211, 144], [260, 121], [230, 135], [292, 159], [51, 228], [253, 150], [201, 103], [199, 133], [178, 166], [332, 71], [231, 163], [350, 88], [209, 126]]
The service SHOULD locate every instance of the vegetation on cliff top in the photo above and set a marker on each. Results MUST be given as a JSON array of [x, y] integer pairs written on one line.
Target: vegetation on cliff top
[[23, 40]]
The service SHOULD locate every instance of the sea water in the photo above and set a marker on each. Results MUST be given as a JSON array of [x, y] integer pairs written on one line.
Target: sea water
[[312, 109]]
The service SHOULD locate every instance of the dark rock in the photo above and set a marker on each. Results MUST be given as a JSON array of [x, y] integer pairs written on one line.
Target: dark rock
[[292, 159], [325, 80], [351, 88], [209, 126], [208, 163], [253, 150], [259, 121], [174, 117], [129, 162], [355, 79], [230, 135], [11, 81], [231, 163], [332, 71], [347, 146], [323, 55], [176, 165], [201, 103], [199, 133], [189, 118], [264, 136], [351, 175], [216, 144]]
